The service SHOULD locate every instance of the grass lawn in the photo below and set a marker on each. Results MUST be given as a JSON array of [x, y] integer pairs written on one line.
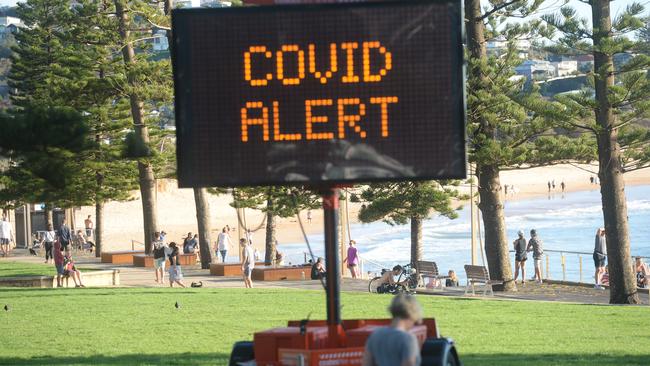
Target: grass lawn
[[132, 326], [17, 269]]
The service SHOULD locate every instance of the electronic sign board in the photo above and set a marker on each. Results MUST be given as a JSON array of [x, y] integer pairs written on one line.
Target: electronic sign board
[[319, 94]]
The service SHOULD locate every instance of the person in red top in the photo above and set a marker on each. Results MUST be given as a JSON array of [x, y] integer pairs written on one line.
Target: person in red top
[[58, 261]]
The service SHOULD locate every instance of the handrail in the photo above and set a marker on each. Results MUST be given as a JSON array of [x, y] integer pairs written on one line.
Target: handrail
[[134, 242], [586, 253]]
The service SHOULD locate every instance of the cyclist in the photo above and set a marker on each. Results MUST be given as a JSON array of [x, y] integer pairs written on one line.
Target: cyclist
[[387, 281]]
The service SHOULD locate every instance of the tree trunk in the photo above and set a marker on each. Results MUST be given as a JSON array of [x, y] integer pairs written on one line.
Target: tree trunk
[[416, 239], [612, 185], [496, 240], [203, 221], [269, 256], [99, 227], [49, 216], [489, 187], [146, 176]]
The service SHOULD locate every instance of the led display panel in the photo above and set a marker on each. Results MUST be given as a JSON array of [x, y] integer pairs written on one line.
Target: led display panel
[[319, 94]]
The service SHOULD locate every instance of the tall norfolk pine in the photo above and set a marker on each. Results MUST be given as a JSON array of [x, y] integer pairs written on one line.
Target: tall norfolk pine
[[611, 110], [508, 127]]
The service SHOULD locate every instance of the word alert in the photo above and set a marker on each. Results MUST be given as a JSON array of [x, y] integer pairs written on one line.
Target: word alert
[[350, 112]]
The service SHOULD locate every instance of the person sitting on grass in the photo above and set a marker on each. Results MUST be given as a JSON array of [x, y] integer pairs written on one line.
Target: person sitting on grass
[[70, 270], [318, 269], [394, 345]]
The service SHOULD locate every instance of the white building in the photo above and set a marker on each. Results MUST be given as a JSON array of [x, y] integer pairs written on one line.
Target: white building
[[499, 46], [536, 69], [565, 67]]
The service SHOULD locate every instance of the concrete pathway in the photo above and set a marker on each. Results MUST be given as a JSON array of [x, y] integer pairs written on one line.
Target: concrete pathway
[[131, 276]]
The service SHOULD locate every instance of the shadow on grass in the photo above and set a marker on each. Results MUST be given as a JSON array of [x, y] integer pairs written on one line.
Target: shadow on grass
[[196, 359], [189, 359], [594, 359]]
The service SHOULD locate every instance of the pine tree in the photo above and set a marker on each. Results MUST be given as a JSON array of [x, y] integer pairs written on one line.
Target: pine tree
[[612, 110], [403, 202], [509, 127], [146, 81]]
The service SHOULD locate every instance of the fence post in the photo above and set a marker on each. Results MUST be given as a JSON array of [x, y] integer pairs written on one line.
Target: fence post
[[580, 256], [548, 272], [563, 259]]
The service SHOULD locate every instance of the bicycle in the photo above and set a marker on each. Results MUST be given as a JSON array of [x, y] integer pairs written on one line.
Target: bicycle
[[408, 275]]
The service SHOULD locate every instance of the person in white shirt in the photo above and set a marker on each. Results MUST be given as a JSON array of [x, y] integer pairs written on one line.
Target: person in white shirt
[[6, 236], [224, 244], [48, 242]]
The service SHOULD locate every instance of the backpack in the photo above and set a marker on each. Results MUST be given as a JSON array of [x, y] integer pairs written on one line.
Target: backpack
[[159, 252]]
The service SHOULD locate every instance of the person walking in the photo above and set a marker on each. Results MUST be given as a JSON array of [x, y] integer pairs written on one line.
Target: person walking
[[48, 242], [6, 236], [563, 186], [600, 256], [395, 345], [224, 243], [520, 256], [65, 235], [549, 186], [352, 259], [160, 253], [535, 244], [88, 223], [175, 272], [248, 261]]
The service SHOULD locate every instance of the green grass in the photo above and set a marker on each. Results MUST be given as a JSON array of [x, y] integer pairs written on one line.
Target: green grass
[[142, 327], [18, 269]]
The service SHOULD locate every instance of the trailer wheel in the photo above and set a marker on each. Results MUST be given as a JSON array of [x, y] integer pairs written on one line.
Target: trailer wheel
[[242, 352], [439, 352]]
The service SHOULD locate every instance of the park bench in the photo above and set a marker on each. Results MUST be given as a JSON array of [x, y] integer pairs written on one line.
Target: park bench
[[228, 269], [429, 270], [479, 274]]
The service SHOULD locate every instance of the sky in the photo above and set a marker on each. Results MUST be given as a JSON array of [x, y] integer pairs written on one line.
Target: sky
[[550, 5]]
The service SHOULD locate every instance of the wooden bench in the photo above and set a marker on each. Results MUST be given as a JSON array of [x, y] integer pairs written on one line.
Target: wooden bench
[[146, 260], [228, 269], [268, 273], [123, 257], [479, 274], [429, 270]]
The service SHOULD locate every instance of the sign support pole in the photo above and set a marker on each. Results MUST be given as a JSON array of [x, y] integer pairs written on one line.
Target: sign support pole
[[332, 288]]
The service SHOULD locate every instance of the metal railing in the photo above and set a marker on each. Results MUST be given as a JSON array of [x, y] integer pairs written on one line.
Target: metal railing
[[567, 259], [134, 242], [363, 264]]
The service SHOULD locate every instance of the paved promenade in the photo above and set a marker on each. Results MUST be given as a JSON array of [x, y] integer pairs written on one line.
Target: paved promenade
[[131, 276]]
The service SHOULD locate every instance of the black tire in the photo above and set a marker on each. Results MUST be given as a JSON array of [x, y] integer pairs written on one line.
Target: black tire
[[242, 352], [373, 284], [439, 352]]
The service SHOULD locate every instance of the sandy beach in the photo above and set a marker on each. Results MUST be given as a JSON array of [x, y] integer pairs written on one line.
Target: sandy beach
[[176, 209]]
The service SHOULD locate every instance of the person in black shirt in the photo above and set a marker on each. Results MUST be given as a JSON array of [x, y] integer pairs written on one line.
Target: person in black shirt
[[175, 273]]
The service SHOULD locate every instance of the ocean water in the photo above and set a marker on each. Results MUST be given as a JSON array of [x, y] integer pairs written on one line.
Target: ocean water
[[564, 222]]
